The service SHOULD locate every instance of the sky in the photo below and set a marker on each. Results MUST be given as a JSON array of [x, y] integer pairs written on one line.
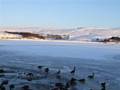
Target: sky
[[60, 13]]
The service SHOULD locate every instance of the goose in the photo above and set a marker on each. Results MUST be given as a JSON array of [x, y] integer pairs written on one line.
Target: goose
[[73, 71], [60, 85], [40, 67], [29, 76], [2, 70], [11, 86], [103, 86], [2, 87], [55, 88], [2, 74], [72, 81], [5, 82], [67, 85], [91, 76], [91, 89], [58, 76], [58, 72], [46, 70], [82, 80], [25, 87]]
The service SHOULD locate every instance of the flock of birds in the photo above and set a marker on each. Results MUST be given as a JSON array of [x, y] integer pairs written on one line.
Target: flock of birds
[[57, 86]]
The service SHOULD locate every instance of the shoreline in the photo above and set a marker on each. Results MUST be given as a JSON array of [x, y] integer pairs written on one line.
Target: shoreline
[[63, 41]]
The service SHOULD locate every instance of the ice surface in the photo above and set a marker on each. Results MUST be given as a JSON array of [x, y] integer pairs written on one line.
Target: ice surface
[[103, 59]]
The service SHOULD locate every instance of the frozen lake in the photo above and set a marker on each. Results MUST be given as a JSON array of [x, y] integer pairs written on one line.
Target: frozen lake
[[102, 59]]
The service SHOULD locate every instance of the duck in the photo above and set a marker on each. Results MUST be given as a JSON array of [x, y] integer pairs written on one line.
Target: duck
[[67, 85], [73, 71], [25, 87], [2, 87], [103, 86], [55, 88], [72, 81], [91, 89], [12, 86], [58, 72], [29, 76], [58, 76], [2, 70], [46, 70], [60, 85], [91, 76], [40, 67], [82, 80], [4, 82], [2, 74]]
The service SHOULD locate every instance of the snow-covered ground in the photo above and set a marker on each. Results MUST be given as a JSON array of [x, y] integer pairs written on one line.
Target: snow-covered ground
[[102, 59]]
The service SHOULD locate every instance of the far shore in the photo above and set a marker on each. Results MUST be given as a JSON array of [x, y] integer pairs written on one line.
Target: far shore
[[63, 41]]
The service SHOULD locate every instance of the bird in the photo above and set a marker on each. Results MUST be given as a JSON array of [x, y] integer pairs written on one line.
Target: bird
[[4, 82], [2, 74], [91, 89], [103, 86], [59, 84], [73, 71], [82, 80], [67, 85], [72, 81], [46, 70], [2, 87], [29, 76], [40, 67], [58, 76], [55, 88], [11, 86], [25, 87], [58, 72], [2, 70], [91, 76]]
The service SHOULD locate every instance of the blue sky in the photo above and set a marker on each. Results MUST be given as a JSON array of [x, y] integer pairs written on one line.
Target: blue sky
[[60, 13]]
